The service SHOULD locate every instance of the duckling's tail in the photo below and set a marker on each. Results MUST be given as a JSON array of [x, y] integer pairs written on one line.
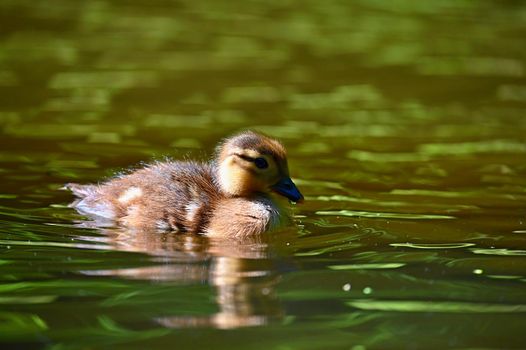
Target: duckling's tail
[[89, 201], [80, 191]]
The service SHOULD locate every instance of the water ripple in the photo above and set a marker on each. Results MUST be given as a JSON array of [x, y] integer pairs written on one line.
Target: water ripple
[[368, 214], [367, 266], [502, 251], [434, 306], [433, 245]]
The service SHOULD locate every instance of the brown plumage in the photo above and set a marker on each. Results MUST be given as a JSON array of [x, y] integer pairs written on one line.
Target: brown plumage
[[229, 196]]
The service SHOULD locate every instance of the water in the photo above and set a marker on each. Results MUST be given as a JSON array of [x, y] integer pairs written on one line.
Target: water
[[405, 128]]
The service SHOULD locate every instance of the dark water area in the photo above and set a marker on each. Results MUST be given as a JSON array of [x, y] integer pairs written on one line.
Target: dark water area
[[405, 124]]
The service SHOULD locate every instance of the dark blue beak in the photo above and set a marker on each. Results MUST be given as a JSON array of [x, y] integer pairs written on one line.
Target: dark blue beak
[[286, 188]]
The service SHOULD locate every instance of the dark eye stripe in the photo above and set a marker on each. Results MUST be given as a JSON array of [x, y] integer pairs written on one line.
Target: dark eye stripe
[[261, 163], [247, 158]]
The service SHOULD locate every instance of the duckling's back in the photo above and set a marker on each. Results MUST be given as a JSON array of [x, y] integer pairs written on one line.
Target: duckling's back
[[169, 195]]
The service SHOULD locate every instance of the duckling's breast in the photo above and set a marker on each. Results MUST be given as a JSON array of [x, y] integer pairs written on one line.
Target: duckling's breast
[[242, 217]]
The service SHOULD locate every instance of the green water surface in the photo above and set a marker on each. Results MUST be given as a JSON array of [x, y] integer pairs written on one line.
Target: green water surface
[[405, 123]]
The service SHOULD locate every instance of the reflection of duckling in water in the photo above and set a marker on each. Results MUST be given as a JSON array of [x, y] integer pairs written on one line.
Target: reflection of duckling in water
[[230, 196], [242, 273]]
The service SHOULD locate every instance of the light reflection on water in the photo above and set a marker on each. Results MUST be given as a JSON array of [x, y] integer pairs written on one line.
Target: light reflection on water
[[404, 124]]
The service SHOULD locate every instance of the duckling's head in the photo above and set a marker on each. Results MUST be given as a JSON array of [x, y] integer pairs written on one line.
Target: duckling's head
[[250, 163]]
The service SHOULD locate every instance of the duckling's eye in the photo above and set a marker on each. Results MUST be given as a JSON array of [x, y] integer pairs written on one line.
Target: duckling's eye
[[261, 163]]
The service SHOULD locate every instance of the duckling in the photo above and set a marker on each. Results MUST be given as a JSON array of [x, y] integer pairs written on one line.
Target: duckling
[[232, 195]]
